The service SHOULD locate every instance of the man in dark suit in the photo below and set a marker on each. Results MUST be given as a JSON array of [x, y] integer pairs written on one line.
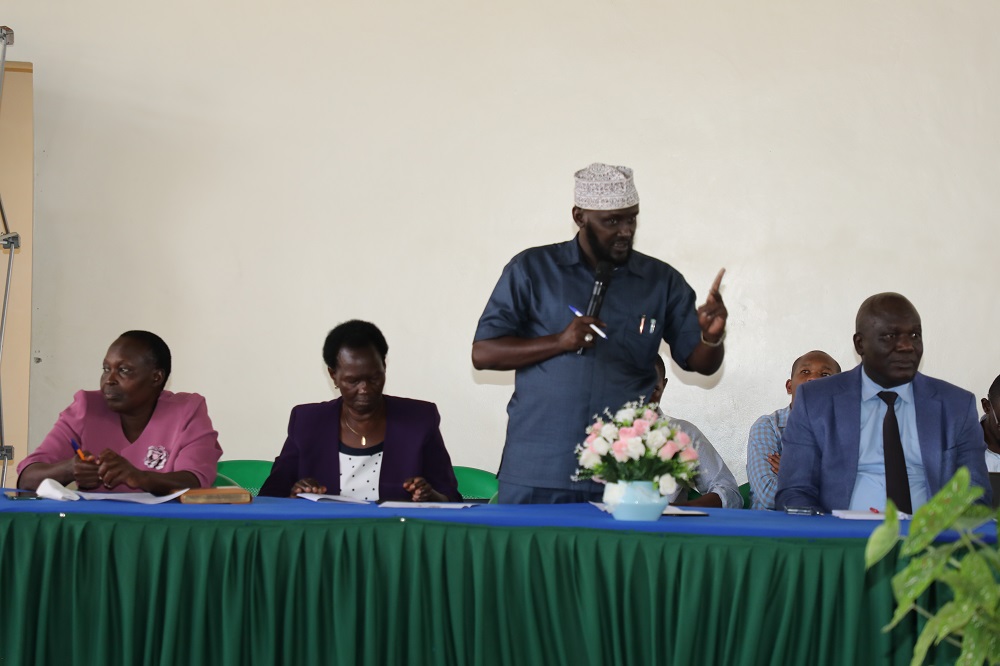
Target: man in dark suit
[[845, 449]]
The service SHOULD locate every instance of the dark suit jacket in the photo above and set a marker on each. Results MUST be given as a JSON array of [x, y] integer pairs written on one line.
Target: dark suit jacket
[[821, 444], [413, 447]]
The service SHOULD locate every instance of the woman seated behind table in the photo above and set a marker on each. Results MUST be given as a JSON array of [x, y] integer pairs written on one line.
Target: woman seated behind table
[[363, 444], [133, 434]]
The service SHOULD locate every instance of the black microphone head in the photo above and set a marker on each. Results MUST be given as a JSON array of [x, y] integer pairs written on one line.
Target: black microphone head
[[604, 270]]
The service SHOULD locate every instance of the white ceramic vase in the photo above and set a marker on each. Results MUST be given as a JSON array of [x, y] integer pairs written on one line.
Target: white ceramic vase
[[634, 500]]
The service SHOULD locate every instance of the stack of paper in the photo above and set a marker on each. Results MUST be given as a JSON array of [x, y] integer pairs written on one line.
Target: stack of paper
[[52, 489]]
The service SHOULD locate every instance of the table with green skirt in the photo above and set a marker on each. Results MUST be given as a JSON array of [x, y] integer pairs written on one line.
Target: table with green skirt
[[289, 581]]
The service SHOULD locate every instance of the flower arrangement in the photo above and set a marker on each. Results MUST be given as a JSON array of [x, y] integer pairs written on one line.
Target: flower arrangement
[[637, 443]]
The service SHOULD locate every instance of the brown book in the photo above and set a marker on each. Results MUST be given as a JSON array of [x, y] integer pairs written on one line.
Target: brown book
[[233, 495]]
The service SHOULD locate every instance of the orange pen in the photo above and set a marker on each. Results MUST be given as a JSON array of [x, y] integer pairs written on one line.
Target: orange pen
[[76, 447]]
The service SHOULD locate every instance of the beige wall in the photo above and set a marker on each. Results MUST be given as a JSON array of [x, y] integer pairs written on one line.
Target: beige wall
[[16, 174], [241, 176]]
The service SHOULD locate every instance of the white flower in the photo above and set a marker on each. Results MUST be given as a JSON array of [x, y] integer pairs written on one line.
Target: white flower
[[656, 438], [625, 415], [609, 432], [613, 493], [668, 485], [600, 446], [635, 448], [589, 459]]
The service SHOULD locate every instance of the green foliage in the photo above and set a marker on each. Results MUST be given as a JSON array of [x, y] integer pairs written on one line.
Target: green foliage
[[968, 566]]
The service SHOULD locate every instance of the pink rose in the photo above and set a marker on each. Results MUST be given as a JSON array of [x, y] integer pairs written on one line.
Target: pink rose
[[627, 433], [668, 450], [649, 415], [689, 455], [598, 424], [641, 427], [592, 436], [682, 439], [620, 450]]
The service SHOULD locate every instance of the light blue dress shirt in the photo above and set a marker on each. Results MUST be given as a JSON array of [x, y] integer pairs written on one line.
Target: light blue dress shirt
[[713, 474], [869, 488]]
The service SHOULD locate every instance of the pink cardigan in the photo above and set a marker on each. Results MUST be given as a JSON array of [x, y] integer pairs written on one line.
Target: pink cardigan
[[178, 438]]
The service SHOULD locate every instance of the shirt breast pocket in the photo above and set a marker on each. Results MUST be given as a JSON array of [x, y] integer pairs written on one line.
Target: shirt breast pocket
[[640, 348]]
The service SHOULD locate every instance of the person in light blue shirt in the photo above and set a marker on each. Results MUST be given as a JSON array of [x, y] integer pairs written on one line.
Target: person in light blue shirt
[[764, 442], [529, 326], [714, 482], [833, 450]]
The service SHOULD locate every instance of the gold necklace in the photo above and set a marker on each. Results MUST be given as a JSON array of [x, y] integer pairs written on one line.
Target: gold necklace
[[364, 442]]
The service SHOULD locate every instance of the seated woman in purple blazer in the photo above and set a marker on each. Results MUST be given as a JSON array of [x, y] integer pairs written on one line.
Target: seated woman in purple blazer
[[363, 444]]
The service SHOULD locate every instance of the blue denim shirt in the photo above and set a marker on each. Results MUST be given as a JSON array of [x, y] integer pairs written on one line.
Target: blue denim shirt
[[646, 301]]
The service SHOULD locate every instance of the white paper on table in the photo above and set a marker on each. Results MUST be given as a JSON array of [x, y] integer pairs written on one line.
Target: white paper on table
[[426, 505], [316, 497], [52, 489], [669, 511], [677, 511], [847, 514]]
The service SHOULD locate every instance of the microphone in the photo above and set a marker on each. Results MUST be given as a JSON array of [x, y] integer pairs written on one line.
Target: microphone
[[603, 279], [604, 270]]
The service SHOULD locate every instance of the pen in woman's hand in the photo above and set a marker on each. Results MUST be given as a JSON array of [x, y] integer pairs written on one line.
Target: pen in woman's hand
[[77, 449]]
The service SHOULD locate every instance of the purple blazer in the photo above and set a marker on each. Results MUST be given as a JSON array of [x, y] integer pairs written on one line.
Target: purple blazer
[[413, 447]]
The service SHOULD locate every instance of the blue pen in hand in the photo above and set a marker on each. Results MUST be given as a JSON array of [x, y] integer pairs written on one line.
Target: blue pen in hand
[[594, 328]]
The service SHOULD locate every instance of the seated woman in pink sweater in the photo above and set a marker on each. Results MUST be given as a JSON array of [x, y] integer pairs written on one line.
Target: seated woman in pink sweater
[[147, 438]]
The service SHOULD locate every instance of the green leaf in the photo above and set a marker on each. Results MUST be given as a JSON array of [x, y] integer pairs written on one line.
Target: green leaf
[[993, 646], [940, 512], [918, 575], [901, 612], [884, 537], [992, 556], [952, 617], [976, 573], [924, 642], [973, 517], [975, 643]]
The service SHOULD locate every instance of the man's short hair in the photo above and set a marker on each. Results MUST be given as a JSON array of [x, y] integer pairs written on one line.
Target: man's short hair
[[796, 362]]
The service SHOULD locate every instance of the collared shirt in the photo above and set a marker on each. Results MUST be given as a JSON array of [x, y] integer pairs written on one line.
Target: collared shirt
[[713, 474], [869, 488], [765, 439], [553, 402]]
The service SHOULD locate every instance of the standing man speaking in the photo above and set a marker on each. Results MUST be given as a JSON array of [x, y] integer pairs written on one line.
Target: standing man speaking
[[580, 323]]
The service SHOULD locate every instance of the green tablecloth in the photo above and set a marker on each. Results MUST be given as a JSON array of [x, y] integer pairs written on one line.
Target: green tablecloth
[[95, 589]]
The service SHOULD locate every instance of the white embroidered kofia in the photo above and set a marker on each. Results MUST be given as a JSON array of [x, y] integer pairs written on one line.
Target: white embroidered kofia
[[156, 457]]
